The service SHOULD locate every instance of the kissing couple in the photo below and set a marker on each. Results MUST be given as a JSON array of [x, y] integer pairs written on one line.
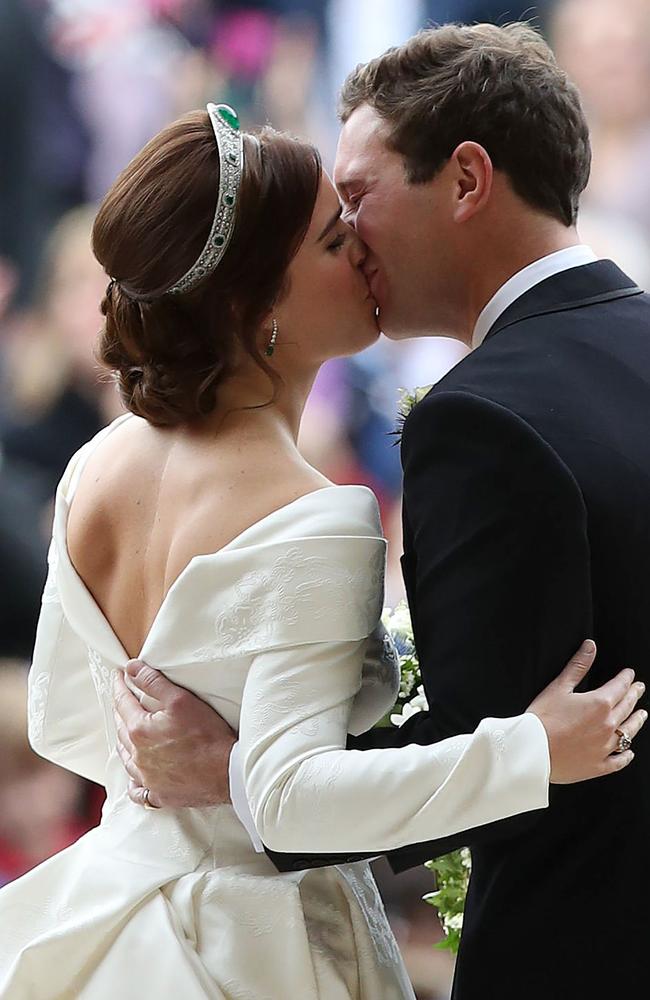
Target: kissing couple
[[246, 786]]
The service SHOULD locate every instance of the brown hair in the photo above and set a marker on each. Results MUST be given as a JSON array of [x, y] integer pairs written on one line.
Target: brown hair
[[170, 353], [498, 86]]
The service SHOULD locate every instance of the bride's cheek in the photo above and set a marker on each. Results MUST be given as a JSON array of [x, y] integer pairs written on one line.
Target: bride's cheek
[[336, 278]]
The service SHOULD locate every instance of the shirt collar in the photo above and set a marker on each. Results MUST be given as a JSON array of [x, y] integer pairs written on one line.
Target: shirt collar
[[524, 280]]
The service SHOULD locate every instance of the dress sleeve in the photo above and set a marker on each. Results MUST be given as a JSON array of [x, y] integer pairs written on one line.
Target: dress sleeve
[[66, 722], [309, 794]]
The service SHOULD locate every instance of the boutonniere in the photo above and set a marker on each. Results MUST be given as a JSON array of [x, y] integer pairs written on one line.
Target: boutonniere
[[408, 399]]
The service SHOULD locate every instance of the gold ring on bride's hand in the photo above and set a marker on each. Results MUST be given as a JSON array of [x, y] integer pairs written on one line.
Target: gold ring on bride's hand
[[624, 741]]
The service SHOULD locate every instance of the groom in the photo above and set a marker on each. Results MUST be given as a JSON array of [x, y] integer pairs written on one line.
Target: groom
[[461, 161]]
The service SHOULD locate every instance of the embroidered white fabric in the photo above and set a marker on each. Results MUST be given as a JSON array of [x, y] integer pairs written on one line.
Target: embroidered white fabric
[[380, 680], [273, 632]]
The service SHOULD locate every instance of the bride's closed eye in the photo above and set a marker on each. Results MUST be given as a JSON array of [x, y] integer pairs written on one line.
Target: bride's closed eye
[[338, 242]]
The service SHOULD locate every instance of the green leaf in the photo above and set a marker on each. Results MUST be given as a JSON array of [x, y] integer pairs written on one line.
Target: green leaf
[[451, 872]]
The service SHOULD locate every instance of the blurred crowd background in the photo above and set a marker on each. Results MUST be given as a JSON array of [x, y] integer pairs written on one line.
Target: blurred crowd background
[[84, 84]]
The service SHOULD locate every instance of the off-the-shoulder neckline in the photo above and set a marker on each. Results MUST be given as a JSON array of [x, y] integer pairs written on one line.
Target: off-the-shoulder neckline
[[63, 502]]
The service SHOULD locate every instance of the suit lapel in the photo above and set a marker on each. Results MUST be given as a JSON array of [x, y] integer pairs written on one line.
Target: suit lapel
[[575, 288], [582, 286]]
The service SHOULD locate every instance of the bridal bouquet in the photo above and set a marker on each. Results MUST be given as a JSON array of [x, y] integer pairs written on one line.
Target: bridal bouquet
[[451, 871]]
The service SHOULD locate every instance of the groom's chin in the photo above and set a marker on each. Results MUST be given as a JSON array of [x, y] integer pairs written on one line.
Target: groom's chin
[[395, 331], [388, 327], [398, 327]]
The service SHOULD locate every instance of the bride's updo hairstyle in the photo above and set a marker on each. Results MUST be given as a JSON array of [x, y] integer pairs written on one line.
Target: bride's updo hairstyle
[[170, 352]]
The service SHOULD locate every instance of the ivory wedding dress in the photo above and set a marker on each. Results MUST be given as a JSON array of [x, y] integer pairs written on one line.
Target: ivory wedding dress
[[270, 631]]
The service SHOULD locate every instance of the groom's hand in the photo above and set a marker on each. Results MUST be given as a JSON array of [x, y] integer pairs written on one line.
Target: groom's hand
[[170, 741]]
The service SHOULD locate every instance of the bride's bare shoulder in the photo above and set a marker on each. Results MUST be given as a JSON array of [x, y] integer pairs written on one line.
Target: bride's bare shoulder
[[183, 492]]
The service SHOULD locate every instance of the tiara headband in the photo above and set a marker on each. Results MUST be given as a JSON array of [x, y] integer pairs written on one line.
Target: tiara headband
[[230, 144]]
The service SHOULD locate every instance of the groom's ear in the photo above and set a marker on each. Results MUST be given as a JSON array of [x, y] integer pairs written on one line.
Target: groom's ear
[[472, 173]]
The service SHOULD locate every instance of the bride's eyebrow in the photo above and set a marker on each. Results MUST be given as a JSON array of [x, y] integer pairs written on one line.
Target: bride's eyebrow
[[330, 225]]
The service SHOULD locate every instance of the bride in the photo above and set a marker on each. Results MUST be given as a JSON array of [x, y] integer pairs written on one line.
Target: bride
[[191, 533]]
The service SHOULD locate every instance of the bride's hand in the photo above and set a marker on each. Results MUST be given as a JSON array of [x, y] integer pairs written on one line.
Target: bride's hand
[[581, 728]]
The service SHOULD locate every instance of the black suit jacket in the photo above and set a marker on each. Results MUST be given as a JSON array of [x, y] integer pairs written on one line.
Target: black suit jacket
[[526, 529]]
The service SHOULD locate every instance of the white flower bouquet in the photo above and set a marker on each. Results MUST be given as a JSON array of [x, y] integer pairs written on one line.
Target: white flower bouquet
[[451, 871]]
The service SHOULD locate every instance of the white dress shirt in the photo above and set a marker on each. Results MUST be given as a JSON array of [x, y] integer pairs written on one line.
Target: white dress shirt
[[524, 280]]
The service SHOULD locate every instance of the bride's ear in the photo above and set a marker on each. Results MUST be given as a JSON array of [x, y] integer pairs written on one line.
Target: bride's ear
[[473, 176]]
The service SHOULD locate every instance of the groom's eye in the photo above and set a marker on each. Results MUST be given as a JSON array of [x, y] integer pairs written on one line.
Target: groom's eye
[[351, 206]]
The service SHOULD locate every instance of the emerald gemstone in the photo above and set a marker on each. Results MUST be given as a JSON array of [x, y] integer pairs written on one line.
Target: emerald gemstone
[[229, 200], [219, 241], [229, 116]]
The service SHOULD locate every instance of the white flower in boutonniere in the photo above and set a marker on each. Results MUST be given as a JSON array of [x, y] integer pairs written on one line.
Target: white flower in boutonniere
[[408, 399], [451, 871]]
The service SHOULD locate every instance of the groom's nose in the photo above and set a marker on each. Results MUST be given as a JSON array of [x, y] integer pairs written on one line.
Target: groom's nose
[[359, 251]]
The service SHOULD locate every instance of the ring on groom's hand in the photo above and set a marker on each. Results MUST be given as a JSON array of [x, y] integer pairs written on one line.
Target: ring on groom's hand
[[624, 741]]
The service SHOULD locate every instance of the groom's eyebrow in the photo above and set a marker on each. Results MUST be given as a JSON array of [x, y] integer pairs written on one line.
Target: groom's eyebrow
[[330, 225]]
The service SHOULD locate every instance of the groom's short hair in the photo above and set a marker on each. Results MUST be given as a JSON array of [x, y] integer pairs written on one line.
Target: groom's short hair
[[498, 86]]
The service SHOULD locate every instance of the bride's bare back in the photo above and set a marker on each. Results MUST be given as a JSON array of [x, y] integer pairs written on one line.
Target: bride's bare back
[[150, 499]]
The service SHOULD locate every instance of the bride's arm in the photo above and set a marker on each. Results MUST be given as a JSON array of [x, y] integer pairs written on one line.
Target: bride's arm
[[65, 720], [309, 794]]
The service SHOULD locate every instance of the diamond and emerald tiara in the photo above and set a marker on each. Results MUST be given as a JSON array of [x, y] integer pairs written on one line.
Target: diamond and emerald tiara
[[230, 144]]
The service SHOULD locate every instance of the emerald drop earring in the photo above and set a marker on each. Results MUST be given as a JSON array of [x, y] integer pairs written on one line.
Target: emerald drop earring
[[274, 336]]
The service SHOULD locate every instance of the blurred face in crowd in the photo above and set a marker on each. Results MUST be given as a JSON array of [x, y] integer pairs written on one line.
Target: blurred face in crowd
[[328, 310], [37, 798], [604, 45], [409, 230], [75, 285]]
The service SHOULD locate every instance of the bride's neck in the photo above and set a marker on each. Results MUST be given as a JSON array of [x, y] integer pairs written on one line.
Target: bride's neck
[[249, 395]]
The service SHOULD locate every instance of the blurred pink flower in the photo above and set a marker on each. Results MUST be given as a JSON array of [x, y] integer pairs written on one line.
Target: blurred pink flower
[[243, 42]]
